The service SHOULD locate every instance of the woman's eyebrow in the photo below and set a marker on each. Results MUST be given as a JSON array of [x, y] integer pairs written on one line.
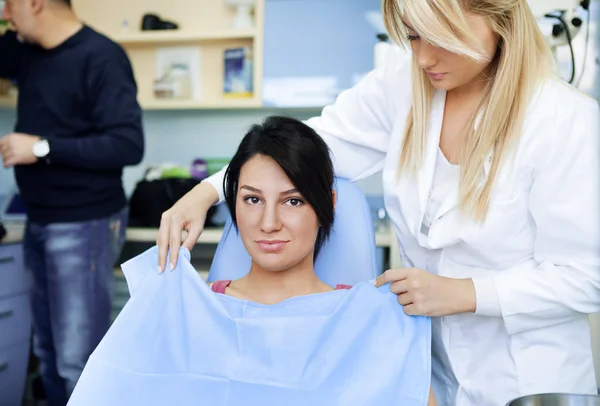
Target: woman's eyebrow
[[255, 190], [289, 192], [251, 189]]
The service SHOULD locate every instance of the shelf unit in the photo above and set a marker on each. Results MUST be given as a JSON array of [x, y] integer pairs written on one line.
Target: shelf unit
[[207, 24]]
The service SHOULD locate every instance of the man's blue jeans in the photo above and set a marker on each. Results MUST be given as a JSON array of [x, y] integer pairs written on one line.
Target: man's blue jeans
[[70, 266]]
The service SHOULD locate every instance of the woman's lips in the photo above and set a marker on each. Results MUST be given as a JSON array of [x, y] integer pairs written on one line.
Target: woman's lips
[[436, 76], [271, 245]]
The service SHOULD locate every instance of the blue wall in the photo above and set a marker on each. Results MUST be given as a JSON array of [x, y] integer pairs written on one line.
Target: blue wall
[[326, 42]]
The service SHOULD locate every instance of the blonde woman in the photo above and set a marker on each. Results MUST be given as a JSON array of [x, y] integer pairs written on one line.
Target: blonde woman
[[491, 176]]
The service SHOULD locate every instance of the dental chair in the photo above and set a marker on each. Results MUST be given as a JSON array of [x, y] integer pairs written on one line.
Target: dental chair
[[347, 257]]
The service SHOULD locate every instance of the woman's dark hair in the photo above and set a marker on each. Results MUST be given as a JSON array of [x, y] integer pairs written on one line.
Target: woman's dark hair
[[302, 155]]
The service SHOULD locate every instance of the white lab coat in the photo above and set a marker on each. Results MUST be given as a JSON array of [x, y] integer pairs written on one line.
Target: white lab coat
[[535, 262]]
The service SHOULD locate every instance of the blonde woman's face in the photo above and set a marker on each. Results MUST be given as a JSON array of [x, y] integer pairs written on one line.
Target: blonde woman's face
[[447, 70]]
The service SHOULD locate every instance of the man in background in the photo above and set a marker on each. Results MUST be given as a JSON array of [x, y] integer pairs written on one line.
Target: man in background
[[78, 125]]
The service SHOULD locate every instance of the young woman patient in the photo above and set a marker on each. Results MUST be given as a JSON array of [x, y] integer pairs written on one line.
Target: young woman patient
[[279, 191]]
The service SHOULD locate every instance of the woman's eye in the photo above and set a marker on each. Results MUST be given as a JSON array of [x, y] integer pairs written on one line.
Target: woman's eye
[[252, 200], [294, 202]]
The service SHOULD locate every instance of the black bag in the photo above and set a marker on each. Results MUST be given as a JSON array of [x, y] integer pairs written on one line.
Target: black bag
[[151, 198]]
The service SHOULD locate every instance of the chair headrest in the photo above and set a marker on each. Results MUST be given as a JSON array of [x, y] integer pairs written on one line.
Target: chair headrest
[[347, 257]]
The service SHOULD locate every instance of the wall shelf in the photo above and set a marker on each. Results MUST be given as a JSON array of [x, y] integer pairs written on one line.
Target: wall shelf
[[180, 37], [166, 104], [10, 102]]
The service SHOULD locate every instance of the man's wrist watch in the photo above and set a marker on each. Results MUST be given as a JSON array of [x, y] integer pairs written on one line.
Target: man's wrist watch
[[41, 149]]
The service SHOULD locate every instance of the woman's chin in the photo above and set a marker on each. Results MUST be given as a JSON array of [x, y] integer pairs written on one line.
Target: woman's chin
[[272, 262]]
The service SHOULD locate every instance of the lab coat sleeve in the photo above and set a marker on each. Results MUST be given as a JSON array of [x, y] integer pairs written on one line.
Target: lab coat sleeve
[[563, 281], [357, 127], [216, 180]]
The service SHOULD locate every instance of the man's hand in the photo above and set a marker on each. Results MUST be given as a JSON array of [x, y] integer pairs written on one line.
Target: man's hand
[[17, 149]]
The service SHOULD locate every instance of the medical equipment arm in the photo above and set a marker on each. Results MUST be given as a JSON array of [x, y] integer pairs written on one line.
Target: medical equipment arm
[[563, 281]]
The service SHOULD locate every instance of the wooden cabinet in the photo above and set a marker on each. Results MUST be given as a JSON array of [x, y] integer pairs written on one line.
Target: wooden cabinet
[[15, 325]]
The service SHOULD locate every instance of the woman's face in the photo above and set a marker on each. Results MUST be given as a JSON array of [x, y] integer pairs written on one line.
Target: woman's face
[[278, 228], [447, 70]]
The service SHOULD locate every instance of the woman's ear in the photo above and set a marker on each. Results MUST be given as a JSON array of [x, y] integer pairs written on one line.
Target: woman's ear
[[334, 197]]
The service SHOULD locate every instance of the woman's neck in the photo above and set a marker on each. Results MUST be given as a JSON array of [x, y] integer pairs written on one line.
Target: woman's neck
[[270, 287]]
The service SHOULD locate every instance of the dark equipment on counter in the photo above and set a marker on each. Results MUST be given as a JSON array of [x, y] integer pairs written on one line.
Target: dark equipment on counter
[[151, 198]]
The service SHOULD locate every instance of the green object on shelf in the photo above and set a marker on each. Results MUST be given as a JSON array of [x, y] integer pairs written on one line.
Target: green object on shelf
[[175, 172], [214, 165]]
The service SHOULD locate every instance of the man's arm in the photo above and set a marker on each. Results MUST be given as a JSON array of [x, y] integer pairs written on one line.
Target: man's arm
[[119, 138], [11, 51]]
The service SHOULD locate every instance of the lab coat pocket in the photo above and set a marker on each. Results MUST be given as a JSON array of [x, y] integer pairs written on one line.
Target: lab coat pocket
[[504, 238], [553, 359], [472, 337]]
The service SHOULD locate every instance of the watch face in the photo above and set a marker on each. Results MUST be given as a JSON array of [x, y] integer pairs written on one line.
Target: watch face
[[41, 149]]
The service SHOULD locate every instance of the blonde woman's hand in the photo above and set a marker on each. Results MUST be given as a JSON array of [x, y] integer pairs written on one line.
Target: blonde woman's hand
[[189, 214], [424, 294]]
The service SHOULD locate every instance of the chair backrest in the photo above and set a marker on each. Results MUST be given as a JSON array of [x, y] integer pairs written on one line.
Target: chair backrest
[[347, 257]]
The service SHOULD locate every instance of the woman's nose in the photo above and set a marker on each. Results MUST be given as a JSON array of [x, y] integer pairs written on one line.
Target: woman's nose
[[270, 221], [425, 54]]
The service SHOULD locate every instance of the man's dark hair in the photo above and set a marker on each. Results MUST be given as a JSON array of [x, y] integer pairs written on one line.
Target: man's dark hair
[[302, 155]]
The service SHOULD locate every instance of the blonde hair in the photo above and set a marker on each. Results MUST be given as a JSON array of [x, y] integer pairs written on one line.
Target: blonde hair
[[523, 58]]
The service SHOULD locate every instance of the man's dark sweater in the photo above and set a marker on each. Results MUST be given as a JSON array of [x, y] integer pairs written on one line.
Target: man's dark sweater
[[82, 97]]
